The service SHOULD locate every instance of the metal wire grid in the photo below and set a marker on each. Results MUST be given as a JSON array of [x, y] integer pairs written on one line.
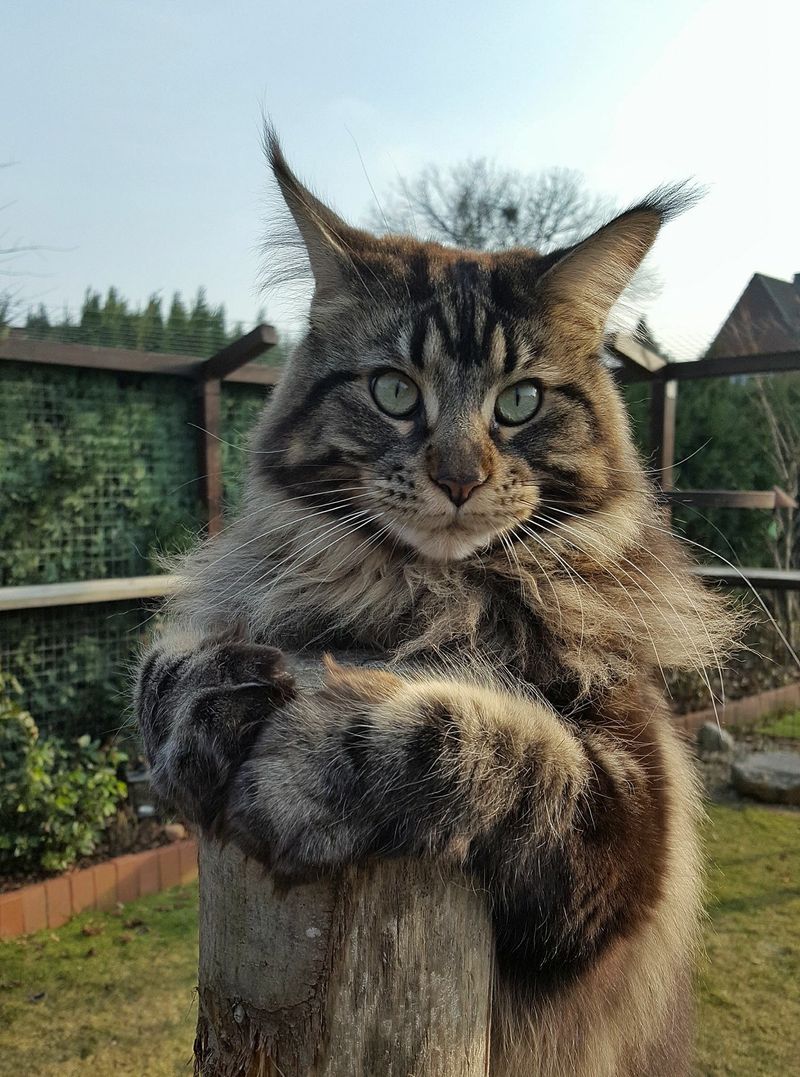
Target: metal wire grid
[[74, 664], [98, 473], [241, 406]]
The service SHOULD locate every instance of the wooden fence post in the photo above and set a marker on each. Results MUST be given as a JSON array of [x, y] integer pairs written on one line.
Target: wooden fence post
[[210, 455], [209, 376], [385, 971], [663, 404]]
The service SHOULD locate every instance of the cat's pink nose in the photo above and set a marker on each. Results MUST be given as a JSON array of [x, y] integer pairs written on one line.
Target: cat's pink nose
[[459, 490]]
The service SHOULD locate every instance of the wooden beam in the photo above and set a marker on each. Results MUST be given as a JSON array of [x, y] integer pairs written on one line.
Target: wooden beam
[[634, 356], [718, 366], [18, 348], [256, 374], [241, 351], [731, 366], [663, 402], [732, 499], [784, 500], [762, 579], [85, 592], [210, 451], [132, 588], [53, 353]]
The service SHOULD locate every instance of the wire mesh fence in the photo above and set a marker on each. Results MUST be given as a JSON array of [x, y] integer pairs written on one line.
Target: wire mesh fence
[[98, 473], [73, 663], [99, 479], [240, 408]]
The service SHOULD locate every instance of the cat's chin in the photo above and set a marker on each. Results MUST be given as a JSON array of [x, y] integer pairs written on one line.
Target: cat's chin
[[449, 545]]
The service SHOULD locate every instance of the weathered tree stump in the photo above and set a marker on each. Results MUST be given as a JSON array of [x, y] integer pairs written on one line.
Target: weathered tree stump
[[384, 972]]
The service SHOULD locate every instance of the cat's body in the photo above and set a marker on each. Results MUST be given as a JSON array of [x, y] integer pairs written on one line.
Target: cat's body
[[445, 474]]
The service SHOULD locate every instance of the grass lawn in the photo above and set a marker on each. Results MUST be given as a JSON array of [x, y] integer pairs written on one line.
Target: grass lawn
[[107, 995], [112, 995], [749, 987], [782, 725]]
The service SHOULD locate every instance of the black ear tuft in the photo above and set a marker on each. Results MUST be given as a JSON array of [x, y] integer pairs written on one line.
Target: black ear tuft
[[277, 161], [328, 240], [670, 200], [272, 145], [583, 283]]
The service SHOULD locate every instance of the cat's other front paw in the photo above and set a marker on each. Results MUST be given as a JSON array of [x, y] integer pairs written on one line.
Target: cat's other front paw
[[200, 713]]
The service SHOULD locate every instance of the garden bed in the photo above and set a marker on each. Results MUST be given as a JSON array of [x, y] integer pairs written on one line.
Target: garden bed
[[747, 711], [123, 836], [104, 885]]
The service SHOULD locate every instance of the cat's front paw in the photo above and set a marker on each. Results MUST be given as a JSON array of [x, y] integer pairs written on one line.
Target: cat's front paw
[[300, 804], [200, 713]]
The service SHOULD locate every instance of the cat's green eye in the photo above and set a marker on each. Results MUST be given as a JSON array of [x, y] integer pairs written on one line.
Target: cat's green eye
[[518, 403], [394, 393]]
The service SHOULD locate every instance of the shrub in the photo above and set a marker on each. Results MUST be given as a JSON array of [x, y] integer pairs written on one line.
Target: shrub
[[55, 798]]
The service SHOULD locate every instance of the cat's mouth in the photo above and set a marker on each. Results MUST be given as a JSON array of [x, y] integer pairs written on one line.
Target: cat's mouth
[[451, 541], [442, 531]]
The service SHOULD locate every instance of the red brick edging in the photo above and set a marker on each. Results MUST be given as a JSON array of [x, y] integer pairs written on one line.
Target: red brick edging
[[52, 902]]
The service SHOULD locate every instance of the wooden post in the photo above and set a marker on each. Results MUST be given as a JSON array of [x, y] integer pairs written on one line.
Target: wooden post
[[663, 404], [210, 458], [384, 971], [209, 374]]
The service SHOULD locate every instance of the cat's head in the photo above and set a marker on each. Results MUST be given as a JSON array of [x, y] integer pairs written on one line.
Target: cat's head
[[449, 399]]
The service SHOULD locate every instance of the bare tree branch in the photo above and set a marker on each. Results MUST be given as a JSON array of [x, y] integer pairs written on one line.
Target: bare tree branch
[[10, 251], [480, 205], [777, 398]]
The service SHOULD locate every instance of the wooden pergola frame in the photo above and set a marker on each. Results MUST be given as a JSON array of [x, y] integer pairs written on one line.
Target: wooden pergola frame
[[640, 365], [234, 363], [663, 380]]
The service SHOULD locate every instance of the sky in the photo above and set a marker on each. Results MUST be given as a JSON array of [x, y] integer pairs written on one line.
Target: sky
[[132, 129]]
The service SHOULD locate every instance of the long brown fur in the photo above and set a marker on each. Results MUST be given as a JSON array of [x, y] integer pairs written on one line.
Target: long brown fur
[[520, 729]]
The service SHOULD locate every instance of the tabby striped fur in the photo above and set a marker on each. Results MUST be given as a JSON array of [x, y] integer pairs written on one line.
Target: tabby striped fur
[[518, 730]]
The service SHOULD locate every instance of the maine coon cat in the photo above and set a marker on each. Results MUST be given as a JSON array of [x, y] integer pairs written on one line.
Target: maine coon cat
[[445, 473]]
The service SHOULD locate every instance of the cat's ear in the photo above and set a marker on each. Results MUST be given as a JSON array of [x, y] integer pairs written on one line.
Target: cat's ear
[[331, 244], [584, 282]]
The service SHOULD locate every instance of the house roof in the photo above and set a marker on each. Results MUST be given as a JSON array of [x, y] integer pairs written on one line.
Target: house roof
[[785, 295], [766, 317]]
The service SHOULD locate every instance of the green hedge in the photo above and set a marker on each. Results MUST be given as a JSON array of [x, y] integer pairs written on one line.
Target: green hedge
[[98, 479], [56, 797], [97, 473]]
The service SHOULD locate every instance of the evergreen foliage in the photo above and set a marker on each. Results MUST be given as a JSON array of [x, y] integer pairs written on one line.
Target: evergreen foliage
[[111, 322]]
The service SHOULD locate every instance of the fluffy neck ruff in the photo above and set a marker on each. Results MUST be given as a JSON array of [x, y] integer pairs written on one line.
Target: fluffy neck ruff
[[592, 600]]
